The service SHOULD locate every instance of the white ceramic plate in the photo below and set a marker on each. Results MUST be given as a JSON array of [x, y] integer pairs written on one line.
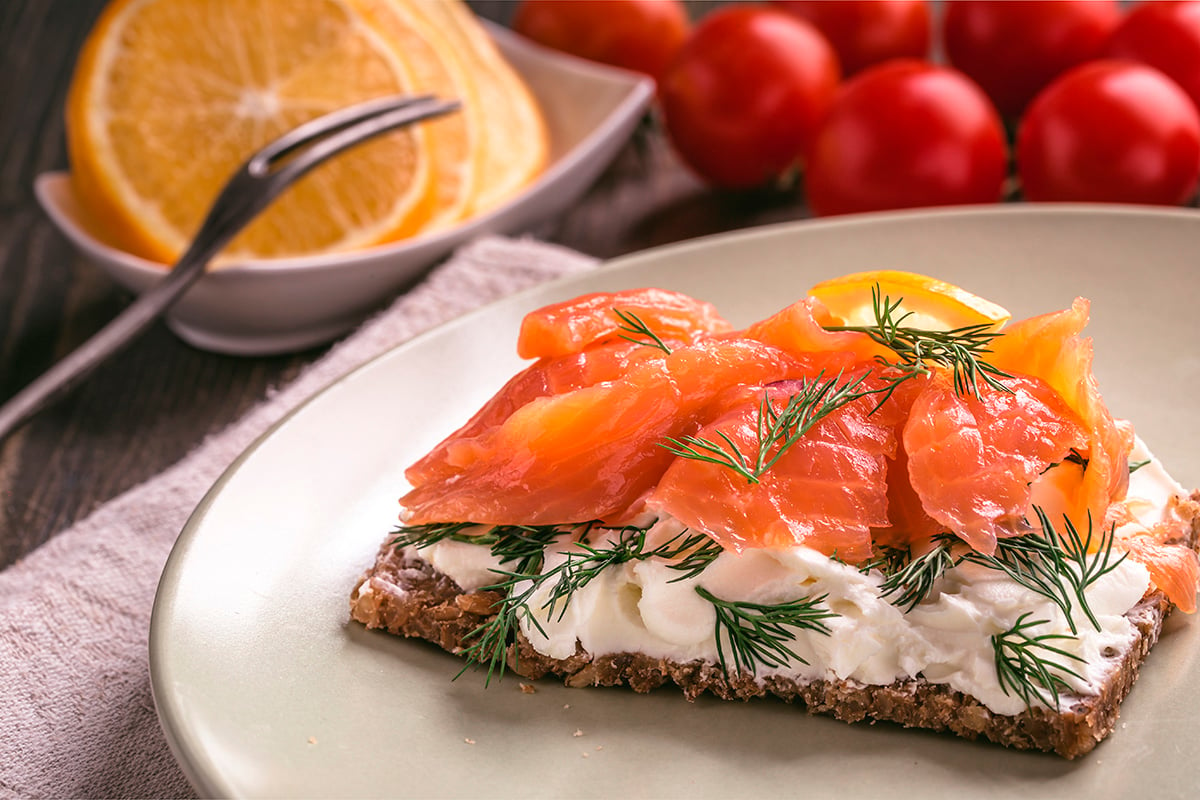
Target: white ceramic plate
[[263, 307], [266, 689]]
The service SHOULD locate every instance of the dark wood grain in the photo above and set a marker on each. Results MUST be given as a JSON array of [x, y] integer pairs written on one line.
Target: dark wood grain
[[161, 398]]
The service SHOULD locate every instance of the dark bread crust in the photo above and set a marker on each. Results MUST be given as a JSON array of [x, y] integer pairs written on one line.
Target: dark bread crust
[[406, 596]]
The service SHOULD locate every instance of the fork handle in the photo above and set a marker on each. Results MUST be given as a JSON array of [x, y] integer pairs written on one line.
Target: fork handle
[[251, 189], [112, 338]]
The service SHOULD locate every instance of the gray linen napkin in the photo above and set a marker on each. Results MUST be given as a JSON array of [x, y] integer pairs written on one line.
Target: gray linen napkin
[[76, 715]]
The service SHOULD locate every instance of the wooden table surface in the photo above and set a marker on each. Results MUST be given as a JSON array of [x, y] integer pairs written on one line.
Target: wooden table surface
[[159, 399]]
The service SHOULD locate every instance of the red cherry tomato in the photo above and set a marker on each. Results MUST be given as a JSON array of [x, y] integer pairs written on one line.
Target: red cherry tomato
[[865, 32], [1110, 131], [641, 35], [1014, 48], [745, 95], [1167, 37], [907, 133]]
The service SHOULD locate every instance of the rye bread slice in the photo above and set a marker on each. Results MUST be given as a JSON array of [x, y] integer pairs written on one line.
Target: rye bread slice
[[406, 596]]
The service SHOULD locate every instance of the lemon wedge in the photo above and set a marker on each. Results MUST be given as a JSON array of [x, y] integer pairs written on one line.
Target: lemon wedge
[[930, 304]]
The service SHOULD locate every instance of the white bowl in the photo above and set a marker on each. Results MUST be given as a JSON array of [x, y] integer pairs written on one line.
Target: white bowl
[[262, 307]]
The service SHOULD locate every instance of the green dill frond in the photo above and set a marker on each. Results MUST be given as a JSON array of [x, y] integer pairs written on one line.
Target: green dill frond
[[960, 350], [1073, 456], [1084, 567], [489, 641], [422, 536], [524, 546], [582, 566], [724, 454], [638, 332], [886, 559], [1035, 561], [692, 556], [915, 579], [758, 633], [1056, 566], [776, 429], [1025, 664]]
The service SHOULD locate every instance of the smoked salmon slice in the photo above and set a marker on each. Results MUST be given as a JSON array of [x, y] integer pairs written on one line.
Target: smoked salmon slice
[[1052, 347], [798, 329], [1172, 567], [570, 326], [593, 452], [547, 376], [908, 523], [971, 459], [825, 491]]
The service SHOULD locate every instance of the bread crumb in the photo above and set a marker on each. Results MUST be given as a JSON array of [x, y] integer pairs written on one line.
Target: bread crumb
[[312, 740], [585, 755], [599, 747], [577, 733], [566, 705], [469, 741], [527, 688]]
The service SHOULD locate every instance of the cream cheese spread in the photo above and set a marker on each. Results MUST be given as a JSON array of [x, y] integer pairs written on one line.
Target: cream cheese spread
[[643, 606]]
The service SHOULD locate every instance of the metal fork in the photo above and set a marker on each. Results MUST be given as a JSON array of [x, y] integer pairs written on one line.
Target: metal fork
[[251, 189]]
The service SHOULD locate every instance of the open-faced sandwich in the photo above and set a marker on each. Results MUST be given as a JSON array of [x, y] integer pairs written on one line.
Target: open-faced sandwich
[[882, 502]]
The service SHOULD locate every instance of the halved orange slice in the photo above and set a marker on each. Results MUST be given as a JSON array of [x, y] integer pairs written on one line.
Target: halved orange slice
[[170, 96], [516, 144], [456, 141]]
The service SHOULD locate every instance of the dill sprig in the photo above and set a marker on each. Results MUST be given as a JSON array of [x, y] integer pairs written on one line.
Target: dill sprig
[[776, 430], [1134, 466], [638, 332], [915, 579], [581, 564], [887, 559], [521, 545], [493, 636], [759, 633], [1085, 567], [1025, 664], [959, 350], [524, 546], [695, 553], [1036, 562], [1073, 456], [1056, 566], [422, 536]]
